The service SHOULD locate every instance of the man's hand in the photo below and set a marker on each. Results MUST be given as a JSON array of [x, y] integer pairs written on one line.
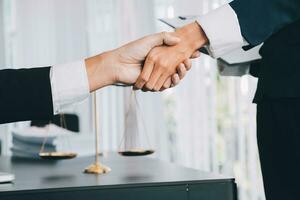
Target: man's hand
[[123, 65], [181, 71], [163, 61], [128, 60]]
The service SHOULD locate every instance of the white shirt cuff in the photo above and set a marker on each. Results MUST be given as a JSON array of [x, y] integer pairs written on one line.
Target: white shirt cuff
[[223, 30], [69, 84]]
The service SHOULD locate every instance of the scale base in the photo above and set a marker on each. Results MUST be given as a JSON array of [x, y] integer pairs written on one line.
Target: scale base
[[97, 168]]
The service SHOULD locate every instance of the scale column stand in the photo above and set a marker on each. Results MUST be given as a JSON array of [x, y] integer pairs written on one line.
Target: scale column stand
[[97, 167]]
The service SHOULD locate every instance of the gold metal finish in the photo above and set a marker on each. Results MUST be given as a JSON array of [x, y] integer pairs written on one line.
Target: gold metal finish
[[96, 168], [56, 155]]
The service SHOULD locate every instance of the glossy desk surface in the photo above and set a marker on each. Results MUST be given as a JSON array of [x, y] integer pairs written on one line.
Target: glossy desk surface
[[126, 172]]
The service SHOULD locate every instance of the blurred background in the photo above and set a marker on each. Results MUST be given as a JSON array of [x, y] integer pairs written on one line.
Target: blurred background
[[206, 123]]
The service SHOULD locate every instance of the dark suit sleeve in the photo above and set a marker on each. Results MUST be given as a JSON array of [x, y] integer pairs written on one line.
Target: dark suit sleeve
[[25, 94], [259, 19]]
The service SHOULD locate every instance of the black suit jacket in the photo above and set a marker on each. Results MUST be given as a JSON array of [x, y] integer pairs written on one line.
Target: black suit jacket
[[25, 94], [277, 24]]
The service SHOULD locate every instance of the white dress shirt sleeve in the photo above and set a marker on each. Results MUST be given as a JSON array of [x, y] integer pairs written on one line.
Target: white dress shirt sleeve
[[222, 29], [69, 84]]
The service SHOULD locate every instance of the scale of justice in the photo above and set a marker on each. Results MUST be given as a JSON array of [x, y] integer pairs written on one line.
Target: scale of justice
[[131, 142]]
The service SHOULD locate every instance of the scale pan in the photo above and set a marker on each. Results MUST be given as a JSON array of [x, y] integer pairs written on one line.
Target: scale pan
[[57, 155], [136, 152]]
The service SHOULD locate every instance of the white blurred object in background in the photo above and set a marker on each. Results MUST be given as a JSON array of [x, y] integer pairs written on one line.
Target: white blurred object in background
[[27, 142]]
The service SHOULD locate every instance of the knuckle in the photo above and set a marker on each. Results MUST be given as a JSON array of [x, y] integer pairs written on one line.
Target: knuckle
[[144, 79], [151, 57], [175, 81], [182, 69], [189, 63], [149, 86], [159, 63], [164, 88], [166, 68], [163, 34], [163, 65], [170, 72]]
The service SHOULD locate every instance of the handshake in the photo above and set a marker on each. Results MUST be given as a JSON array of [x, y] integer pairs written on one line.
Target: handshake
[[152, 63]]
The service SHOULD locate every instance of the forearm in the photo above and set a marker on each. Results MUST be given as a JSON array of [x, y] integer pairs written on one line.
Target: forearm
[[100, 73], [73, 82]]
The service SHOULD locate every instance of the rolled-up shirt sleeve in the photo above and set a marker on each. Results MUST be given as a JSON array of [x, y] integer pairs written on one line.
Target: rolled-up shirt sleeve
[[223, 31], [69, 84]]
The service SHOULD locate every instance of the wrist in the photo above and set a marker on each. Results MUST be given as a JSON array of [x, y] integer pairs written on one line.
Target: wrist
[[193, 36], [100, 71]]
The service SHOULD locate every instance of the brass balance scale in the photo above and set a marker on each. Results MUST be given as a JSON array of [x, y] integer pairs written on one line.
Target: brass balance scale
[[56, 155], [130, 145]]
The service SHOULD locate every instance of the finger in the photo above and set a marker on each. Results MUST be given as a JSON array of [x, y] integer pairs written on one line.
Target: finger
[[145, 74], [175, 80], [159, 39], [188, 64], [153, 79], [170, 39], [160, 82], [181, 70], [196, 54], [166, 85]]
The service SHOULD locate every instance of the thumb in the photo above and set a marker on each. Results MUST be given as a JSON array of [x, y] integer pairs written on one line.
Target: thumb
[[159, 39], [170, 39]]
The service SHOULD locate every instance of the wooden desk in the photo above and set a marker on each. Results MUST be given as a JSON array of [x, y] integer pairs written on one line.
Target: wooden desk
[[131, 178]]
